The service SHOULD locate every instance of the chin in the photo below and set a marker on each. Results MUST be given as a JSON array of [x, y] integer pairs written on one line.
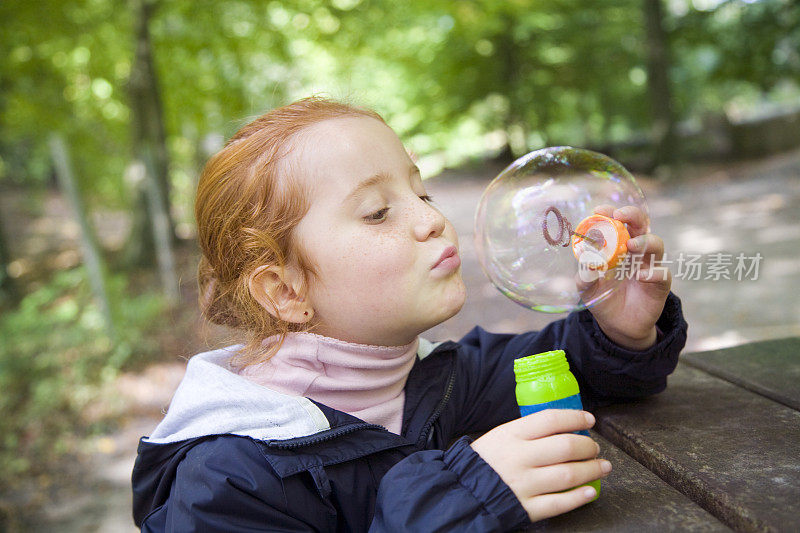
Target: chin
[[454, 300]]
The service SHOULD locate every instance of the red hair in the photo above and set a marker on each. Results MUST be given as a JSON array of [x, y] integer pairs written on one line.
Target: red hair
[[248, 203]]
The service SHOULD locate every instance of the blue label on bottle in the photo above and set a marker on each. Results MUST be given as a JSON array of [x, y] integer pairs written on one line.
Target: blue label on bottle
[[570, 402]]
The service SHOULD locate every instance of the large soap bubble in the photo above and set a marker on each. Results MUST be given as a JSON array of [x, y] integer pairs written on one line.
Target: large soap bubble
[[538, 234]]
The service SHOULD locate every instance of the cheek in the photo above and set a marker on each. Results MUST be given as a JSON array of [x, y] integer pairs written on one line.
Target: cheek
[[382, 261], [365, 269]]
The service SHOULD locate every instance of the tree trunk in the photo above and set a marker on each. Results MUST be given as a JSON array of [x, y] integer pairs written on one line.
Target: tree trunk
[[658, 63], [516, 126], [148, 137], [9, 292], [162, 234], [92, 258]]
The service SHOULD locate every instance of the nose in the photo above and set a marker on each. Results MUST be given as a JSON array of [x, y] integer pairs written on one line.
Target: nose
[[429, 222]]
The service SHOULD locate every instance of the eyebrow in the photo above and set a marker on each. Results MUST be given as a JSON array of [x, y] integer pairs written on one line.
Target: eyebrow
[[374, 180]]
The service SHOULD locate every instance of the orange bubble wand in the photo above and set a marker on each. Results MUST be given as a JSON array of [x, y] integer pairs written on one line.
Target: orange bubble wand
[[607, 238]]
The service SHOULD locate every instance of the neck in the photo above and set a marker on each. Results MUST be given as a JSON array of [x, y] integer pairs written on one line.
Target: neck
[[363, 380], [397, 341]]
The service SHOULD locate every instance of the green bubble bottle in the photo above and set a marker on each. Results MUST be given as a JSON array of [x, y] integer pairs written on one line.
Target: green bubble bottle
[[545, 382]]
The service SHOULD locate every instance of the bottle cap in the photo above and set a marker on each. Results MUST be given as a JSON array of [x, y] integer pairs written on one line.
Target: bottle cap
[[537, 365]]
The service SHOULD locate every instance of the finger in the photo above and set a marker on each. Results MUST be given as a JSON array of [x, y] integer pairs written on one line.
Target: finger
[[563, 448], [655, 274], [635, 219], [551, 422], [649, 245], [650, 248], [549, 505], [565, 476], [607, 210]]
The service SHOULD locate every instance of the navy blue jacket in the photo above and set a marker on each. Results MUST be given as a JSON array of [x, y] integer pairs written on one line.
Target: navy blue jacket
[[355, 476]]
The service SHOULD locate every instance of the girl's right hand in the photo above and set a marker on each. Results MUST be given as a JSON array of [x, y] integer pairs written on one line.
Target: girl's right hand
[[537, 456]]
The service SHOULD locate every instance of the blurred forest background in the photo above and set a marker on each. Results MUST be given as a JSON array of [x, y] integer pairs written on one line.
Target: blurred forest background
[[109, 108]]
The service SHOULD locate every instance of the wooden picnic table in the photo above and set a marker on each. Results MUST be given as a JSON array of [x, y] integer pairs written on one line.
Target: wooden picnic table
[[719, 450]]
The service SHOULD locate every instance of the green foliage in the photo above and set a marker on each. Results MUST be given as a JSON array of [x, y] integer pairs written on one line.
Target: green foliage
[[734, 55], [55, 360], [65, 70], [454, 78]]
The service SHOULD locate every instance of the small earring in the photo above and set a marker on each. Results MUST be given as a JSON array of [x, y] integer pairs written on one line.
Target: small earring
[[305, 313]]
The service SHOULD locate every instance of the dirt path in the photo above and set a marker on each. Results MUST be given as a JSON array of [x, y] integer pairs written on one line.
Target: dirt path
[[745, 208]]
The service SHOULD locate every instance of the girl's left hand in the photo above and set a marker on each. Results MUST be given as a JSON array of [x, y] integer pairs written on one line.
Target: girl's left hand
[[628, 315]]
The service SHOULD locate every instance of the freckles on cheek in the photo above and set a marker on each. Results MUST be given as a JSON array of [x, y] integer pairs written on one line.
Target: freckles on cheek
[[375, 257], [368, 270]]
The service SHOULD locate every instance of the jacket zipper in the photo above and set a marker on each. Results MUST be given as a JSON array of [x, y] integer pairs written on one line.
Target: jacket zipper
[[326, 436], [439, 408]]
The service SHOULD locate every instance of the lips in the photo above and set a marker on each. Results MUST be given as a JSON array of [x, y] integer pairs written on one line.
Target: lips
[[449, 259]]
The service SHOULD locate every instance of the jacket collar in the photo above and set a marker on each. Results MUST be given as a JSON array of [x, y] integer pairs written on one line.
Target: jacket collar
[[424, 401], [212, 399]]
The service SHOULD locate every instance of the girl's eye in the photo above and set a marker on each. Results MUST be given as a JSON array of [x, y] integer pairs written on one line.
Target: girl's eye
[[377, 216], [380, 215]]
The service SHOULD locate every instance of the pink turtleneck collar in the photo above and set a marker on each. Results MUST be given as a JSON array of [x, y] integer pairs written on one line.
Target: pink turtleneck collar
[[362, 380]]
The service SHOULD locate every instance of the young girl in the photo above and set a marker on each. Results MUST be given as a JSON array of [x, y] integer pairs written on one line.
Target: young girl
[[320, 243]]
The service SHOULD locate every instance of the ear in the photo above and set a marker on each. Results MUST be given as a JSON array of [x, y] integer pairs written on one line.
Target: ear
[[281, 292]]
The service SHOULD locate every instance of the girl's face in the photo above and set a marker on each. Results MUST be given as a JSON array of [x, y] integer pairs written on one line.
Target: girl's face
[[374, 238]]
